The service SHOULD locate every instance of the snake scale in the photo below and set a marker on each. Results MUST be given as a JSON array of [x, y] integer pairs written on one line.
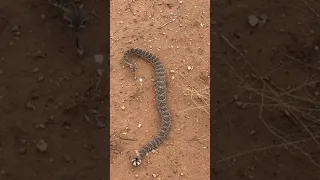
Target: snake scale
[[160, 98]]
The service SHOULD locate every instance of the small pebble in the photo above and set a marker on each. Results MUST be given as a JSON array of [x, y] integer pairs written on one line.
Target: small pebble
[[42, 146], [40, 78], [43, 16], [42, 126], [35, 70], [3, 172], [139, 125], [66, 158], [253, 20], [252, 132], [181, 174], [123, 108], [29, 105], [18, 33], [190, 68], [23, 150], [38, 54], [171, 71], [154, 175], [241, 105], [235, 97], [15, 28]]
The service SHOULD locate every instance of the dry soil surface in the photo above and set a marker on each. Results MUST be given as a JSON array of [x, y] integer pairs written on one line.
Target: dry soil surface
[[177, 32], [52, 107], [255, 118]]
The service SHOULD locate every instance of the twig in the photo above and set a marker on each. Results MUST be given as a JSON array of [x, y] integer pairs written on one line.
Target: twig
[[250, 85], [311, 9], [238, 51], [166, 23], [298, 61], [200, 94], [126, 138], [297, 119], [266, 148]]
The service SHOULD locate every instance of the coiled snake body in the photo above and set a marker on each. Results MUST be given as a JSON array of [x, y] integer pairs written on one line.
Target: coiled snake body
[[160, 98]]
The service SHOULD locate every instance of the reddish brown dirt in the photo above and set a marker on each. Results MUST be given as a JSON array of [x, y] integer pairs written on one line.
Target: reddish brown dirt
[[46, 95], [292, 29], [178, 44]]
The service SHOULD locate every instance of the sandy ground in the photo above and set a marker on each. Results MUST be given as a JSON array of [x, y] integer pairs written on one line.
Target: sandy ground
[[251, 131], [46, 92], [178, 33]]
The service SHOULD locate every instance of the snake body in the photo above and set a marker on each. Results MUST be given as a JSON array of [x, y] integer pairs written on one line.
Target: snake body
[[160, 99]]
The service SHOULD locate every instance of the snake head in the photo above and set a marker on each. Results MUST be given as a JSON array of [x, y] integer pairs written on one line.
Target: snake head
[[136, 162], [77, 18], [133, 67]]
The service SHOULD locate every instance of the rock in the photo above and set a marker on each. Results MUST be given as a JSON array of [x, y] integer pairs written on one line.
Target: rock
[[40, 78], [42, 146], [253, 20], [41, 126], [29, 105], [66, 158], [35, 70], [252, 132], [43, 17], [15, 28], [235, 97], [38, 54]]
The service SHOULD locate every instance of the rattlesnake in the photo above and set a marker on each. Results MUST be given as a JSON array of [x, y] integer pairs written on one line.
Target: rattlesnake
[[73, 12], [160, 98]]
